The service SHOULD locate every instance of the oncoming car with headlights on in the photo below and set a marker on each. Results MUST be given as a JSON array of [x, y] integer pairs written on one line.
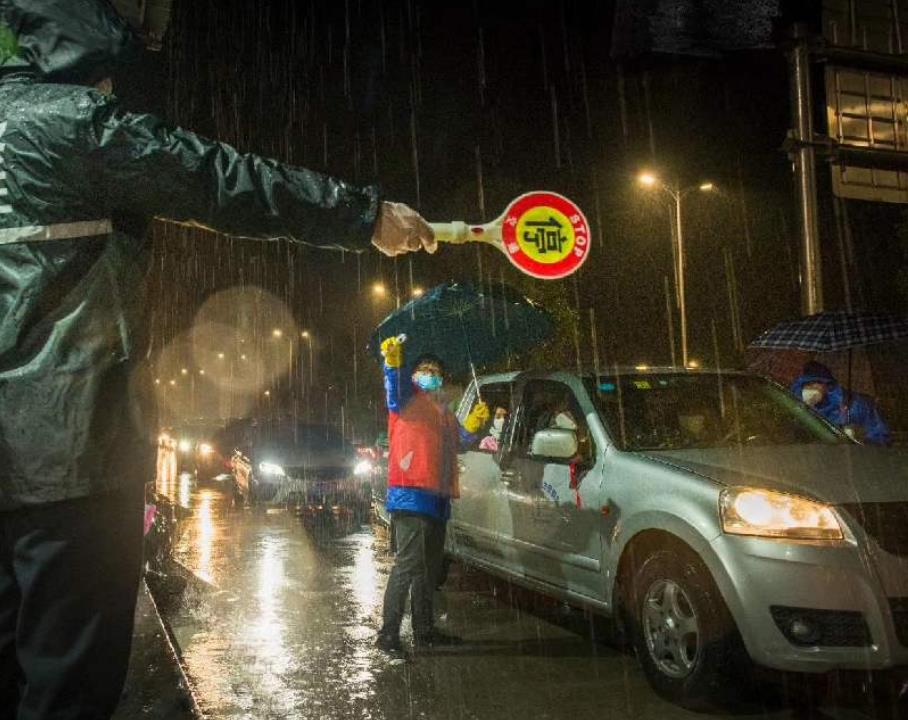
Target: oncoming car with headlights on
[[198, 452], [306, 467], [713, 514]]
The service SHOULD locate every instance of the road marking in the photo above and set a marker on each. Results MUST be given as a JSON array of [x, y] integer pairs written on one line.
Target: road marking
[[4, 192]]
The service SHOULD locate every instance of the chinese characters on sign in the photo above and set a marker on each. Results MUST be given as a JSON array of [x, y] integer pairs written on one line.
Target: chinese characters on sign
[[546, 235]]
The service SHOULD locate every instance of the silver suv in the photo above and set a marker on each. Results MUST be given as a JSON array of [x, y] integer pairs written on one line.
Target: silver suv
[[710, 512]]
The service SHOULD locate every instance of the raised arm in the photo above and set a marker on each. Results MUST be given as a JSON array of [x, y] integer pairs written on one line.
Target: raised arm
[[398, 390], [140, 166]]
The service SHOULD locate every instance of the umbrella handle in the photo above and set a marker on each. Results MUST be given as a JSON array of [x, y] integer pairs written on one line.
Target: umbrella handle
[[475, 381]]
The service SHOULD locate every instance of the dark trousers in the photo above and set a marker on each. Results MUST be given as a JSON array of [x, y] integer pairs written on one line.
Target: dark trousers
[[420, 542], [69, 577]]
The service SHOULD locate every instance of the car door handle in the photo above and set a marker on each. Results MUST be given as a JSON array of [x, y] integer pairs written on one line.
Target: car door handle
[[509, 476]]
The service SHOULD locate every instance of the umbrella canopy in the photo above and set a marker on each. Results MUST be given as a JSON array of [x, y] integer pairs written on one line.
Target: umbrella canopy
[[832, 331], [854, 367], [464, 324]]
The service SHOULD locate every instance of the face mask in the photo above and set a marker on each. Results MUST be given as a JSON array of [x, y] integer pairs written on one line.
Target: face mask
[[811, 396], [497, 427], [565, 422], [429, 383]]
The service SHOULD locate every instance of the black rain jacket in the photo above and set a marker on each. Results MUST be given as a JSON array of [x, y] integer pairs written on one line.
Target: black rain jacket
[[80, 180]]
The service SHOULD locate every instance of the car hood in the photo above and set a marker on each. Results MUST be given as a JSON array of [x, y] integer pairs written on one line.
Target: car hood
[[837, 474]]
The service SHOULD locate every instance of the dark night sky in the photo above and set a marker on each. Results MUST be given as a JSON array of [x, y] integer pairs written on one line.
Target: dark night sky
[[531, 93]]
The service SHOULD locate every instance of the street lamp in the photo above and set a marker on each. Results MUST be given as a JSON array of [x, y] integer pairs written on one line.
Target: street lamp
[[677, 194], [379, 290], [418, 292], [277, 333]]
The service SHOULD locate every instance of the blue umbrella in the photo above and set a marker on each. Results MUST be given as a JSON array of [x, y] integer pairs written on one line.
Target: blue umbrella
[[832, 331], [465, 325]]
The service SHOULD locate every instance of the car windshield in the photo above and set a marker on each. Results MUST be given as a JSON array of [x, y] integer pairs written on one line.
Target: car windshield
[[302, 436], [675, 411]]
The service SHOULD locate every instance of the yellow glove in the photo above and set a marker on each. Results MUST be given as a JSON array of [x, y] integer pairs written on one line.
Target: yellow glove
[[393, 351], [477, 418]]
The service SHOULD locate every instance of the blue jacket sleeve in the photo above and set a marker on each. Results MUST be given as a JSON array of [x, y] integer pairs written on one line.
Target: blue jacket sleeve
[[467, 439], [865, 413], [397, 393]]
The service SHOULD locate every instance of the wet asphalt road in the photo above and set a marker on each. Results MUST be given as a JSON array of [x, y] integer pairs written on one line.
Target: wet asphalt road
[[279, 617]]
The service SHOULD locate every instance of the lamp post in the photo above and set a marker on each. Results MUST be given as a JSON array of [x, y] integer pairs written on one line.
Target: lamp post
[[677, 194]]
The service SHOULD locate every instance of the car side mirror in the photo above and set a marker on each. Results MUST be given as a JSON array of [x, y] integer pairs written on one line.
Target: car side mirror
[[554, 443]]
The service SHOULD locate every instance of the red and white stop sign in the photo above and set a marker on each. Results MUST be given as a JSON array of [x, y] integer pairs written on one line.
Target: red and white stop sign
[[545, 235]]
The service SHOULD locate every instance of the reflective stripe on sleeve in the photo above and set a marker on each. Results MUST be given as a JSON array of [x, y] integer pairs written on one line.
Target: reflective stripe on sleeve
[[63, 231]]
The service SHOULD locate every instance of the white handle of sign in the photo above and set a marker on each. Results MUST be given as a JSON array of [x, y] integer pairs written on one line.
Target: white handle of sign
[[459, 233]]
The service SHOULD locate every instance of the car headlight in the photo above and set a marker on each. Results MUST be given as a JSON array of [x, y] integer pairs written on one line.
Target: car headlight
[[363, 467], [268, 468], [185, 445], [764, 513], [205, 449]]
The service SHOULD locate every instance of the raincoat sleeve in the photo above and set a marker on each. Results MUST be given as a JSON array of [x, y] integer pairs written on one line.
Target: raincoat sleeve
[[397, 393], [864, 412], [467, 439], [142, 167]]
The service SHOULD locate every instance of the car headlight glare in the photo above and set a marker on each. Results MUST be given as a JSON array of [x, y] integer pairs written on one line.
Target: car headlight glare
[[205, 449], [764, 513], [363, 467], [185, 445], [268, 468]]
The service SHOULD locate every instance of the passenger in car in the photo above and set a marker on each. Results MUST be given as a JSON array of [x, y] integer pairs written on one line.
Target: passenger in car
[[564, 420], [490, 441], [424, 438]]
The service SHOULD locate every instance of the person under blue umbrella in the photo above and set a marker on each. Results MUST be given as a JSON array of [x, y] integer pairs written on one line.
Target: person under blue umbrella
[[424, 439], [819, 389]]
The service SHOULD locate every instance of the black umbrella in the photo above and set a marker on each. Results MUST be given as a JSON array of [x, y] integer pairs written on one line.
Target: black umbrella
[[830, 333]]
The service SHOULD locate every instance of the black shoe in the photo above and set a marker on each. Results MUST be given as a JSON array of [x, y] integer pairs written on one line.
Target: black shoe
[[435, 638], [392, 647]]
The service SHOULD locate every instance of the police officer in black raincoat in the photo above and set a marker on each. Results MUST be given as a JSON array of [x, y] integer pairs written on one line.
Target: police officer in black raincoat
[[80, 180]]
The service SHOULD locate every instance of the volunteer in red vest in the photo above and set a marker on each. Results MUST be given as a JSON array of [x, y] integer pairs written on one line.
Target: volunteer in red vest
[[424, 438]]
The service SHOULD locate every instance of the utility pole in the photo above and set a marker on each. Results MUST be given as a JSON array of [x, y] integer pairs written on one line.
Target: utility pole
[[805, 167], [682, 298]]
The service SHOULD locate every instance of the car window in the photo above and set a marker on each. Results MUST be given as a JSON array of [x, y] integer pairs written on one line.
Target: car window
[[675, 411], [547, 404], [500, 399], [300, 435]]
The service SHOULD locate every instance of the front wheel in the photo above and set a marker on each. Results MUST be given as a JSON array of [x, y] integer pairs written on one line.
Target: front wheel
[[683, 634]]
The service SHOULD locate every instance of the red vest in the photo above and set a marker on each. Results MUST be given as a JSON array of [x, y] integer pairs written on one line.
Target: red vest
[[416, 440]]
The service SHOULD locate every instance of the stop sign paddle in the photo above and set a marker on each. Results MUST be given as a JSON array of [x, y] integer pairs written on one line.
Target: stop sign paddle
[[542, 233]]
